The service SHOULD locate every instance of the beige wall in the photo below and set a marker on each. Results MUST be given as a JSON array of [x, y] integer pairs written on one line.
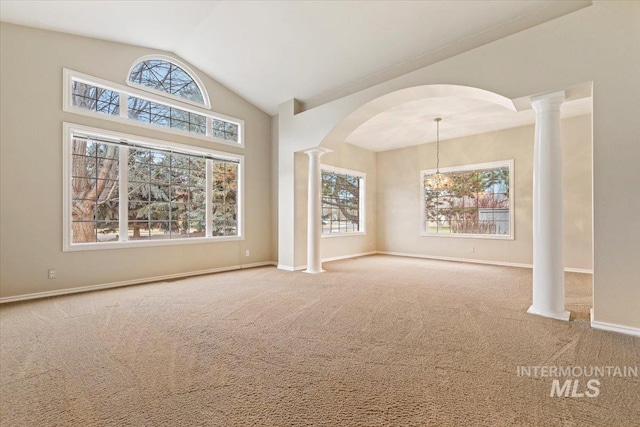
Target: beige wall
[[597, 44], [346, 157], [399, 199], [31, 169], [354, 158]]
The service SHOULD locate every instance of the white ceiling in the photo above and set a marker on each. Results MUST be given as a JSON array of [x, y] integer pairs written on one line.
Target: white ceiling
[[315, 51], [412, 123]]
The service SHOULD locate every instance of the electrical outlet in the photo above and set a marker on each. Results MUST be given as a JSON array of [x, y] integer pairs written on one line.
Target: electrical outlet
[[52, 273], [247, 252]]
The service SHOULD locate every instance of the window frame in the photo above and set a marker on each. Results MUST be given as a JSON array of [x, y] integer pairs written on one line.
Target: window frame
[[125, 91], [67, 140], [467, 168], [185, 68], [362, 197]]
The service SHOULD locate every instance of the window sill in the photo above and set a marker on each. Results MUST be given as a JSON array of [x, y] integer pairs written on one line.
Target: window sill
[[331, 236], [468, 236], [75, 247]]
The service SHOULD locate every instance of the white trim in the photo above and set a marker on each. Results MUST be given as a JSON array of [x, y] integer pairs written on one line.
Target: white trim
[[342, 171], [124, 244], [69, 129], [562, 315], [477, 261], [149, 142], [489, 165], [349, 234], [126, 91], [612, 327], [337, 258], [146, 280], [433, 257], [185, 68], [208, 199], [123, 195], [575, 270], [289, 268], [362, 211]]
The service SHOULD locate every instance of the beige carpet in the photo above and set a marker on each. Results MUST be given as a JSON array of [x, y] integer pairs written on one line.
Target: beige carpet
[[375, 341]]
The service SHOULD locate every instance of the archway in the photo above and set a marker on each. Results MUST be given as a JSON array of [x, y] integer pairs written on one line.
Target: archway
[[356, 126]]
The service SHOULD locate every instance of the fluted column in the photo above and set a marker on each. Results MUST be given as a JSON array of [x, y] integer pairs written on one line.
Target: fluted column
[[548, 215], [314, 212]]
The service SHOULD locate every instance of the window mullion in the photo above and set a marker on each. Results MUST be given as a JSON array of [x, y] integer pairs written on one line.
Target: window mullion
[[209, 199], [124, 194], [124, 105]]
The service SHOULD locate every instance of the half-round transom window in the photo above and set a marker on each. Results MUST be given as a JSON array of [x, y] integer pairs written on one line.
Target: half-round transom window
[[165, 76]]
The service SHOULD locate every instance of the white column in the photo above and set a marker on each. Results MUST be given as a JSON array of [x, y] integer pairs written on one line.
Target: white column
[[314, 212], [548, 230]]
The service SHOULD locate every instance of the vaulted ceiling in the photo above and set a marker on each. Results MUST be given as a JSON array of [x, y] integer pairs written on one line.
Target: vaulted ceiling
[[315, 51]]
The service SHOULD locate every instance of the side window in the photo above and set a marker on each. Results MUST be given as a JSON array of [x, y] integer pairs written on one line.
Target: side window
[[342, 202]]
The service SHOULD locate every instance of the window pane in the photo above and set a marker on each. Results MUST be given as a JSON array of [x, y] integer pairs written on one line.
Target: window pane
[[340, 202], [224, 198], [469, 202], [166, 77], [107, 231], [180, 177], [224, 130], [160, 175], [138, 230], [93, 98], [83, 232], [93, 199], [166, 194], [160, 230], [179, 161]]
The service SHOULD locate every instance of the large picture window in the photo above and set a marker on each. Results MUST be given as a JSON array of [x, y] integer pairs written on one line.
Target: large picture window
[[342, 202], [469, 201], [125, 191]]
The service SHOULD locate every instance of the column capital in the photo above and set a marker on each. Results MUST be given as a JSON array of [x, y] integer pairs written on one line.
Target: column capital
[[548, 101], [317, 151]]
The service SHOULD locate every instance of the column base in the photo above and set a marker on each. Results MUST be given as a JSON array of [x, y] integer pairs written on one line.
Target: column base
[[314, 271], [561, 315]]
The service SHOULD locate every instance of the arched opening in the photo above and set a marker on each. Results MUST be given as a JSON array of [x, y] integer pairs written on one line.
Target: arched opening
[[391, 140]]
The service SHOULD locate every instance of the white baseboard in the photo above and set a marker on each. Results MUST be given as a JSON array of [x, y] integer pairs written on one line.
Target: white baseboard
[[131, 282], [290, 268], [612, 327], [335, 258], [478, 261], [576, 270]]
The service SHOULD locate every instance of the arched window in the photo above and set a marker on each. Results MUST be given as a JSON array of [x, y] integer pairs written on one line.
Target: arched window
[[166, 76], [157, 93]]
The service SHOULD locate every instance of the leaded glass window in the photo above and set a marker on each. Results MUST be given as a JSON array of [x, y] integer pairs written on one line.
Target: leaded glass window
[[224, 130], [94, 98], [165, 76], [164, 115]]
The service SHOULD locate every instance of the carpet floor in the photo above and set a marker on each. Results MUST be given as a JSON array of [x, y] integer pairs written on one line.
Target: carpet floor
[[376, 341]]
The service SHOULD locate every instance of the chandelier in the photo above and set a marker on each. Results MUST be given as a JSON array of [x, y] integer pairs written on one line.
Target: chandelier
[[437, 181]]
